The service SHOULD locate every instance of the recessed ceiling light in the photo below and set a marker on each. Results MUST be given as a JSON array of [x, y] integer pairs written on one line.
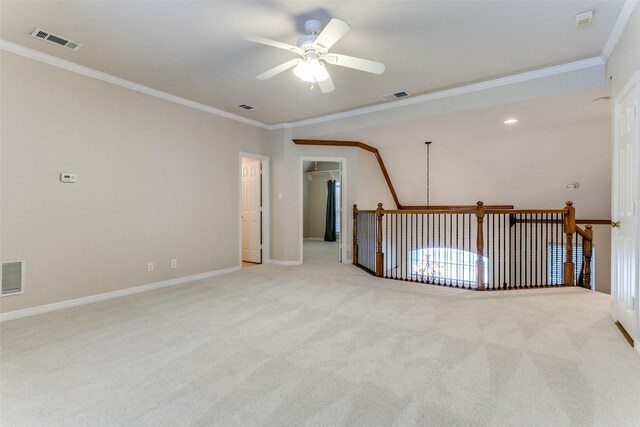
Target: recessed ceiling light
[[510, 121]]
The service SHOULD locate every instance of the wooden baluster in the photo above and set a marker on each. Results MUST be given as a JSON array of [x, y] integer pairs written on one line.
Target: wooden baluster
[[379, 254], [569, 230], [480, 248], [355, 235], [587, 251]]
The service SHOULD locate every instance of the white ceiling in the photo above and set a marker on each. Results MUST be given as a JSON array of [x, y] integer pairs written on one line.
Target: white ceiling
[[195, 49], [566, 109]]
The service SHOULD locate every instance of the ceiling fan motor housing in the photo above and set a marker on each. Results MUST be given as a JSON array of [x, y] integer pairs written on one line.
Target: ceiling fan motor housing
[[307, 41], [313, 26]]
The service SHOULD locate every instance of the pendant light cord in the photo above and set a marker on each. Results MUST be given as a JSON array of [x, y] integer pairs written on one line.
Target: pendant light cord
[[428, 170]]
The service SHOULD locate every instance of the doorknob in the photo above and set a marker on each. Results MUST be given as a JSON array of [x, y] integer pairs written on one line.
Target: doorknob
[[615, 224]]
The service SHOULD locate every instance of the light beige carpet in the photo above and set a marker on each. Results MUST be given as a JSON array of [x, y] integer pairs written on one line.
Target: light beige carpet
[[322, 344]]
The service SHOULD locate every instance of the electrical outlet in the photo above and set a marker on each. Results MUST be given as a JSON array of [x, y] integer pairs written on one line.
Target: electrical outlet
[[348, 247], [150, 267], [174, 263]]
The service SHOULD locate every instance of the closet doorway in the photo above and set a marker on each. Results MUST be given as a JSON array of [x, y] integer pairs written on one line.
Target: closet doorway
[[322, 209]]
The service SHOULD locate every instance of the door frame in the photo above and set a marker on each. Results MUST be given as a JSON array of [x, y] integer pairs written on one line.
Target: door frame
[[265, 220], [343, 201], [635, 79]]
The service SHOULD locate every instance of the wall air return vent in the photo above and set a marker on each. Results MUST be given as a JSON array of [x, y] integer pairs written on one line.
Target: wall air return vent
[[12, 277], [61, 41], [394, 96]]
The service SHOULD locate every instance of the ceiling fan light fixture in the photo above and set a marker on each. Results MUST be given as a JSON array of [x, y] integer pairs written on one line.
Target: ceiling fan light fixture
[[311, 71]]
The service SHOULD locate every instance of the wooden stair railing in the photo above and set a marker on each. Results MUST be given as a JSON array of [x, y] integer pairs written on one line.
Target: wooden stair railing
[[512, 249]]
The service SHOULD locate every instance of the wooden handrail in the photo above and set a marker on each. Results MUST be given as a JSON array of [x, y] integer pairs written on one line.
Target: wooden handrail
[[473, 210], [594, 221], [358, 144], [430, 211], [526, 211], [452, 207], [583, 233]]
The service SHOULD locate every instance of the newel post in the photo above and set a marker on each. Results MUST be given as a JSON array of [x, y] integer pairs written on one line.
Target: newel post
[[480, 279], [379, 254], [587, 251], [569, 230], [354, 253]]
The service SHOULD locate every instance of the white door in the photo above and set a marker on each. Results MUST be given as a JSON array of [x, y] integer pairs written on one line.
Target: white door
[[251, 215], [624, 238]]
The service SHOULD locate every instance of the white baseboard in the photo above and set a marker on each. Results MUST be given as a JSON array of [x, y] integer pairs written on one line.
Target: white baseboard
[[348, 261], [17, 314], [279, 262]]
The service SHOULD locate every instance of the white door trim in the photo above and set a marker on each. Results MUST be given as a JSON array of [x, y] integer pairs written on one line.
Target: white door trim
[[343, 200], [266, 208]]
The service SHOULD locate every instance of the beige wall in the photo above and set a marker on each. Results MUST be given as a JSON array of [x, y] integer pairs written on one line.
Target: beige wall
[[625, 58], [154, 184], [371, 185], [359, 182]]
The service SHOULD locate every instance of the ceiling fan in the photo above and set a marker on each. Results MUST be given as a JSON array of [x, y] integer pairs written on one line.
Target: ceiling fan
[[313, 49]]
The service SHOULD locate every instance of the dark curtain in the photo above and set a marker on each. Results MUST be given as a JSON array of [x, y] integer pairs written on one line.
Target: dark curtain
[[330, 224]]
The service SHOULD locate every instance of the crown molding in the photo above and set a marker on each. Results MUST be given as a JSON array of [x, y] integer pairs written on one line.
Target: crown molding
[[618, 28], [456, 91], [99, 75]]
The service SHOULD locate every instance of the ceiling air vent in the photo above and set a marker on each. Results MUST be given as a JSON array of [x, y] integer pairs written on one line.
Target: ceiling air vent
[[246, 107], [395, 96], [12, 277], [583, 19], [61, 41]]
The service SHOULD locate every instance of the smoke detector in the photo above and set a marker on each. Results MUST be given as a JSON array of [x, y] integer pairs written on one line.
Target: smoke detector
[[60, 41], [583, 19]]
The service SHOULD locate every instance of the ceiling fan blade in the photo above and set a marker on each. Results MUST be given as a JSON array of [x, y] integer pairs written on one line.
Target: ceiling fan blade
[[353, 62], [278, 69], [274, 43], [326, 85], [333, 32]]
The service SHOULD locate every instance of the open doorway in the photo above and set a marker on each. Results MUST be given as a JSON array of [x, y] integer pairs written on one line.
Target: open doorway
[[253, 200], [322, 221]]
